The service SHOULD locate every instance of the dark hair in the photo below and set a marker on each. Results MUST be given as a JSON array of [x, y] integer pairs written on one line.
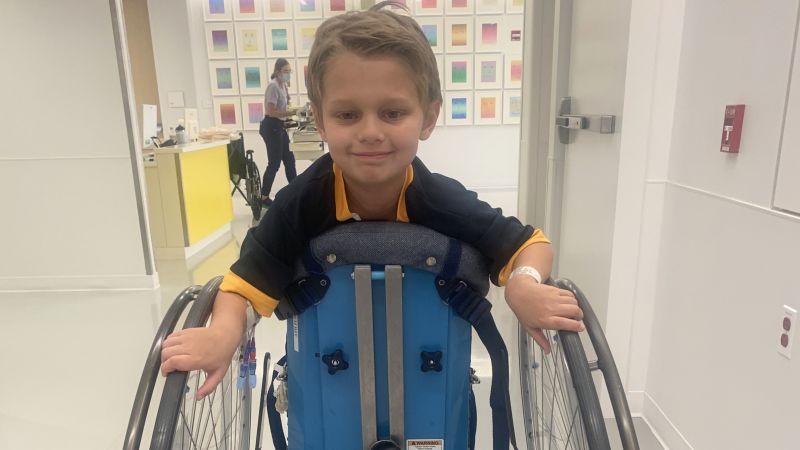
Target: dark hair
[[279, 64]]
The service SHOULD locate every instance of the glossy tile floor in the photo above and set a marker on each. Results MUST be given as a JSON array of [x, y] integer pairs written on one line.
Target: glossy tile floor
[[71, 361]]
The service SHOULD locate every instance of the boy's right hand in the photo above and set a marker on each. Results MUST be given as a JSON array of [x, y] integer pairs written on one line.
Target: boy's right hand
[[208, 348]]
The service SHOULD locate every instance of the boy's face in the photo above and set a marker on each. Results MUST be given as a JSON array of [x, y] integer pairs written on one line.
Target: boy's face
[[372, 118]]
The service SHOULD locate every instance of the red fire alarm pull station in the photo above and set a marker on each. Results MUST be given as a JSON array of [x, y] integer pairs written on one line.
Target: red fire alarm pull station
[[732, 128]]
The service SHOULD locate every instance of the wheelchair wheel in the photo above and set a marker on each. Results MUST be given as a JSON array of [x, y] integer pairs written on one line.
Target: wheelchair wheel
[[253, 186], [562, 407], [221, 419]]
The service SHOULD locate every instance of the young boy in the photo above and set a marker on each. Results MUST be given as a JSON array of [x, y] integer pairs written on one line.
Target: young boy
[[374, 86]]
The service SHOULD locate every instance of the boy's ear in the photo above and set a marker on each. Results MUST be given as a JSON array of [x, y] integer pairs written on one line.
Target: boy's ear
[[318, 121], [429, 122]]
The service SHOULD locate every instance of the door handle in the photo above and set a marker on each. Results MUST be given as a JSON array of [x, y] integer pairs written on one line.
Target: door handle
[[604, 124]]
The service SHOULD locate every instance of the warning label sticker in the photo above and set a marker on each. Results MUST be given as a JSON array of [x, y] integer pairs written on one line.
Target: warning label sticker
[[425, 444]]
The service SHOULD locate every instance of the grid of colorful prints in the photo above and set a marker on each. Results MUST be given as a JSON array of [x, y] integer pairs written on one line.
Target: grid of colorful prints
[[488, 107], [214, 10], [252, 111], [308, 9], [465, 7], [458, 34], [279, 39], [220, 43], [433, 28], [228, 112], [248, 9], [277, 9], [512, 107], [513, 72], [249, 40], [332, 8], [304, 34], [458, 72], [488, 71], [458, 108], [489, 34], [489, 6], [477, 47], [253, 77], [429, 7], [515, 6], [224, 77]]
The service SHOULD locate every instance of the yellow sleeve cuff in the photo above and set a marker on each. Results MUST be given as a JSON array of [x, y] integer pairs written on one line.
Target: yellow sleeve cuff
[[262, 303], [537, 237]]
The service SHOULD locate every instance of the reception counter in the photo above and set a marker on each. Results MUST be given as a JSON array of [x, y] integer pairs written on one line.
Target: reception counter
[[188, 198]]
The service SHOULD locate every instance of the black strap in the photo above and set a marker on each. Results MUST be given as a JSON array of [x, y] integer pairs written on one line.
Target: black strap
[[274, 417], [476, 310]]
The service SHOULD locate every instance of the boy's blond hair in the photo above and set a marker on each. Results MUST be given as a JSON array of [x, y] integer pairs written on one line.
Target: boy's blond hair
[[376, 32]]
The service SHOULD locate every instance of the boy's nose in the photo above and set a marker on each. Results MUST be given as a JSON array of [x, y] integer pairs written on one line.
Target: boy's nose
[[371, 130]]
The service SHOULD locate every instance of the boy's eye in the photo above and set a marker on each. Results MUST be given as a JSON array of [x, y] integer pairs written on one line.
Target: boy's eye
[[347, 115], [393, 115]]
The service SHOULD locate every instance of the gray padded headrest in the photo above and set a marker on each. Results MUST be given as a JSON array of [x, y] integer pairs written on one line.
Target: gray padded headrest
[[384, 243]]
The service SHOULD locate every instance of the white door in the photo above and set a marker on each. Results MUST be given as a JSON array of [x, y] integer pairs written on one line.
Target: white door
[[578, 49]]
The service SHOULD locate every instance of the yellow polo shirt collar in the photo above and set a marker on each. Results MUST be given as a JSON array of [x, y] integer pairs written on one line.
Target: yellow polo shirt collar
[[343, 212]]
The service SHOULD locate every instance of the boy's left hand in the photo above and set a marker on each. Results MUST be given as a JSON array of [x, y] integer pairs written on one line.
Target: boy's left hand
[[540, 306]]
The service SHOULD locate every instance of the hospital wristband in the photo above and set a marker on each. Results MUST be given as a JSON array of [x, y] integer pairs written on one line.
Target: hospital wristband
[[526, 270]]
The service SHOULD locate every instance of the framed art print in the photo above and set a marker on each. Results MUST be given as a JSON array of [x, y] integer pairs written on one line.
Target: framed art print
[[458, 72], [488, 71], [489, 34], [248, 9], [228, 112], [249, 40], [488, 108], [458, 108], [332, 8], [433, 28], [301, 74], [407, 8], [490, 6], [277, 9], [454, 7], [513, 34], [440, 66], [429, 7], [308, 9], [252, 111], [304, 34], [224, 77], [279, 37], [515, 6], [217, 10], [513, 72], [253, 77], [220, 43], [363, 5], [458, 34], [512, 106]]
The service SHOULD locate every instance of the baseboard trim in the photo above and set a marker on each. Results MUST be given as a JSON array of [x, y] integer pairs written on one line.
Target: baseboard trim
[[204, 247], [663, 428], [79, 283]]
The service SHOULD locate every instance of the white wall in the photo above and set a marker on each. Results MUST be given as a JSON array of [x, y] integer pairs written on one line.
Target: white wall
[[698, 253], [67, 178]]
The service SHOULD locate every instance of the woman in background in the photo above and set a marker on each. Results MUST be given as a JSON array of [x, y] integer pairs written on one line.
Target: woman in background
[[276, 101]]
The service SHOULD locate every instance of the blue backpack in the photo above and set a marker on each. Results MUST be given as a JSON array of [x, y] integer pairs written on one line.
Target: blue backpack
[[378, 343]]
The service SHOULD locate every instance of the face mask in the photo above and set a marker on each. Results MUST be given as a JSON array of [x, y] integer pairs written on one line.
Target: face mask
[[285, 77]]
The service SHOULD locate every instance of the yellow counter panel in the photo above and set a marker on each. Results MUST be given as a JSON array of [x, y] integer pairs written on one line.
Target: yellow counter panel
[[206, 194]]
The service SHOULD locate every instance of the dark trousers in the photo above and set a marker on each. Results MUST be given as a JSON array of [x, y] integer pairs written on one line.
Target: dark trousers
[[277, 141]]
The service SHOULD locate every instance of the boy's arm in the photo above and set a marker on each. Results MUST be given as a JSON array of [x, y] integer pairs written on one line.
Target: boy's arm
[[539, 306], [208, 348]]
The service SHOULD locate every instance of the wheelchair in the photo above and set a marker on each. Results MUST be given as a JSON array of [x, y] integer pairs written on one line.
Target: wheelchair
[[241, 167], [561, 403]]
